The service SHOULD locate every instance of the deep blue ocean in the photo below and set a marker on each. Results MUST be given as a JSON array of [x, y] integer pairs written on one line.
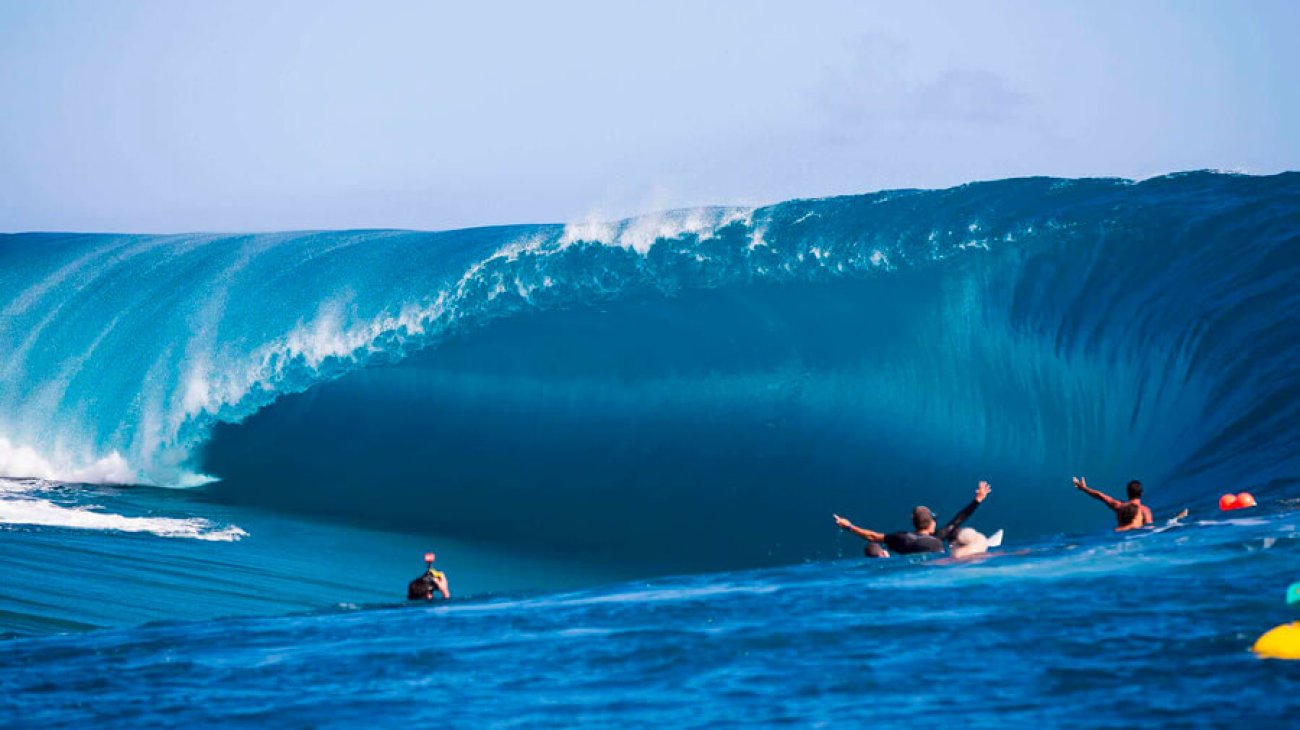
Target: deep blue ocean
[[222, 457]]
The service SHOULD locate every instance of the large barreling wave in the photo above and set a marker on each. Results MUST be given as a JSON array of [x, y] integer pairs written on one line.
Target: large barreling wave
[[680, 380]]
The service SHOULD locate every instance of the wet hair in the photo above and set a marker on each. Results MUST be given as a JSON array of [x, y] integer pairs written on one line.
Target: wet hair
[[922, 518], [1128, 513], [1135, 489]]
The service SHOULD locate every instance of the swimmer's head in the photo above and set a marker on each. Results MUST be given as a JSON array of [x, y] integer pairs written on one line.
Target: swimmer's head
[[922, 518], [969, 542], [1135, 489]]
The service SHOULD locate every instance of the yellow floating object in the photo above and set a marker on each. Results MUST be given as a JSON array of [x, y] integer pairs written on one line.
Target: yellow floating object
[[1280, 642]]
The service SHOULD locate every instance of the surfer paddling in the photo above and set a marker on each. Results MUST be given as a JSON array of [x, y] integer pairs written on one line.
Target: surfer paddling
[[1130, 515], [923, 538], [422, 588]]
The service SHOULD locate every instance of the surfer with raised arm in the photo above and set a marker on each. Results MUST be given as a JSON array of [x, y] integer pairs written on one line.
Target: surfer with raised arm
[[923, 538], [422, 588], [1130, 515]]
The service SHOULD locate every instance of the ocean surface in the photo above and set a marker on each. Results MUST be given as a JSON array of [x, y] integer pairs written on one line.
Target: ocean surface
[[1099, 631], [222, 456]]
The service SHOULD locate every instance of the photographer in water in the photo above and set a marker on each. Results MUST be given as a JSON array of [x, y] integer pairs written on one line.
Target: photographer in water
[[422, 588]]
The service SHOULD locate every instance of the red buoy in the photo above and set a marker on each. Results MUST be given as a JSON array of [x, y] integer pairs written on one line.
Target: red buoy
[[1236, 501]]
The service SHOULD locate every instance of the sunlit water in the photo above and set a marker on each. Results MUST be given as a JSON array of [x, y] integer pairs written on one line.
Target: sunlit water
[[570, 408], [1114, 631]]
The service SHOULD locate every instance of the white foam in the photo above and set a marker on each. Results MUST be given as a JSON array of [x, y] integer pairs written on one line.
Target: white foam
[[640, 234], [590, 228], [19, 507], [24, 461], [1241, 521]]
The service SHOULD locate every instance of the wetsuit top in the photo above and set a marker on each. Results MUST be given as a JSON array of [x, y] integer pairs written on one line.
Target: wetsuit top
[[422, 588], [911, 542]]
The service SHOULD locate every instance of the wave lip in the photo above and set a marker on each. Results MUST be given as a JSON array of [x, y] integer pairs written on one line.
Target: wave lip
[[120, 354], [23, 503]]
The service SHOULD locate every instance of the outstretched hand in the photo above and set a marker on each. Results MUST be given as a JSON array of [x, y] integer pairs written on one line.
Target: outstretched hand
[[440, 580], [843, 523], [1080, 483], [982, 491]]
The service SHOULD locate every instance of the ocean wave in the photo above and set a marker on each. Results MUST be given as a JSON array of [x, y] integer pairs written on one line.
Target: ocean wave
[[526, 267], [23, 503], [123, 352]]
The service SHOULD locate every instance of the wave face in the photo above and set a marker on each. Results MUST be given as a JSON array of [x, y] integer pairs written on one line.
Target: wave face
[[716, 376]]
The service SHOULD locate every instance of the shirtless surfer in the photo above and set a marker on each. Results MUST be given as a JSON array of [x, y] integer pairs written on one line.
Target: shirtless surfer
[[1130, 515]]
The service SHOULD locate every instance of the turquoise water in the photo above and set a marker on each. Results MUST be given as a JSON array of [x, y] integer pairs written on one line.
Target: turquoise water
[[173, 565], [1080, 631], [222, 456]]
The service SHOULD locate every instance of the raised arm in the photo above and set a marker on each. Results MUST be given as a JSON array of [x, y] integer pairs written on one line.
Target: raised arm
[[950, 529], [868, 535], [1082, 486], [440, 582]]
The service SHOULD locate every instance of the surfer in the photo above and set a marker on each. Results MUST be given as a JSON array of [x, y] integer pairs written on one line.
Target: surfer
[[923, 538], [422, 588], [1130, 515]]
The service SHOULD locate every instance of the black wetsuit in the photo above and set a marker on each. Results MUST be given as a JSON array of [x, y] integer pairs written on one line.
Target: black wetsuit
[[906, 543]]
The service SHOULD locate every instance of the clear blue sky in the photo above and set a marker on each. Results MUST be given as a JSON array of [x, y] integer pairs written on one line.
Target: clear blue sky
[[182, 116]]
